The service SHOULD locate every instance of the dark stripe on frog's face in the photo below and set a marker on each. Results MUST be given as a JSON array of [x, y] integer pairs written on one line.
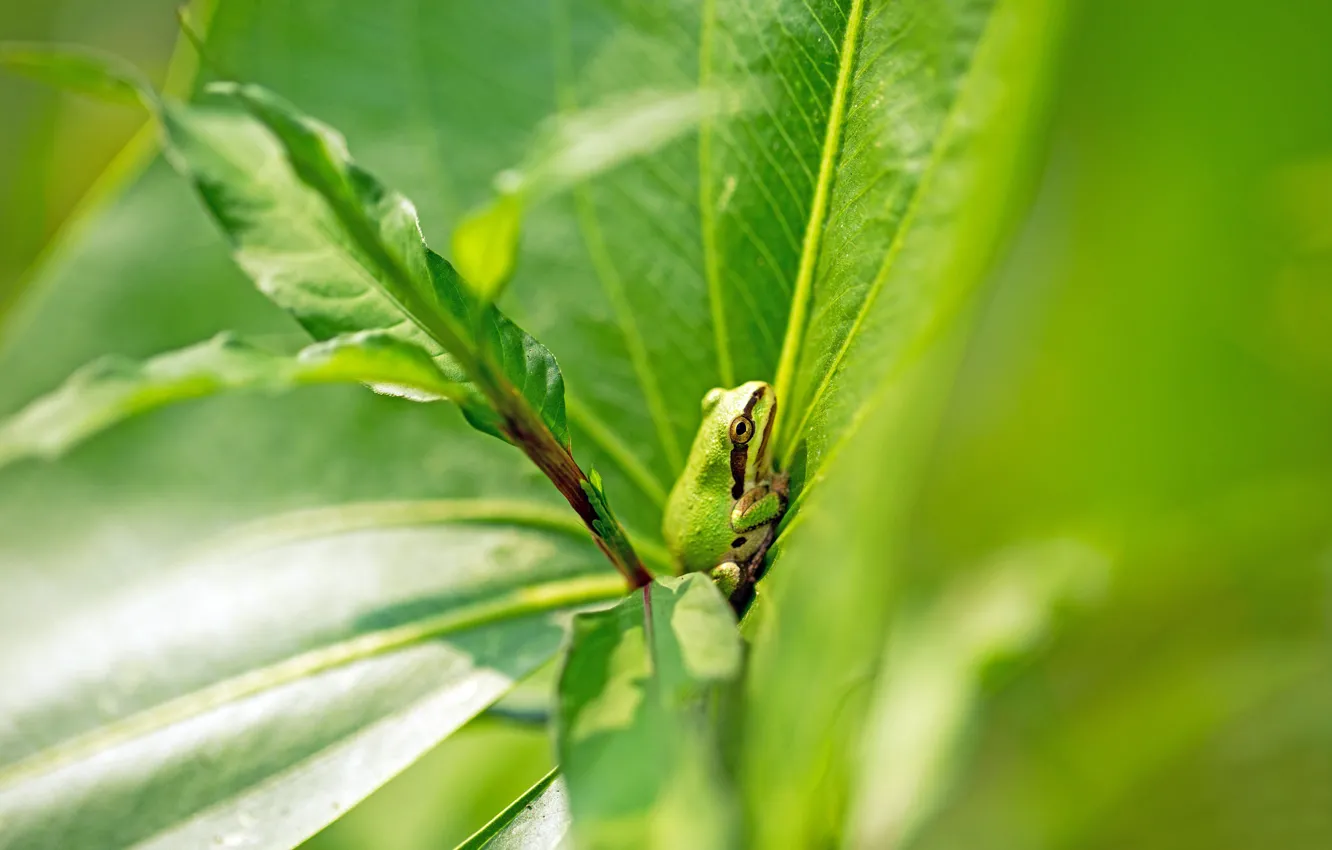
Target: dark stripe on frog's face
[[739, 460], [740, 452]]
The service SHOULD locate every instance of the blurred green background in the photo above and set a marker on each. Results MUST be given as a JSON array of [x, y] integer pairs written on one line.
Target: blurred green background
[[1152, 373], [54, 146]]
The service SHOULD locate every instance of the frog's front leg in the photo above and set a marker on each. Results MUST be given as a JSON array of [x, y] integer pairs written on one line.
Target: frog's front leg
[[760, 505]]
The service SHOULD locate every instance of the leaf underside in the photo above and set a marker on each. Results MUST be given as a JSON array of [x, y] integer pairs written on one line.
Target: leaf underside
[[113, 389]]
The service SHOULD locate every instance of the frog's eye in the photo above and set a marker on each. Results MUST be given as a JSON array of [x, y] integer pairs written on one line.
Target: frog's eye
[[742, 430]]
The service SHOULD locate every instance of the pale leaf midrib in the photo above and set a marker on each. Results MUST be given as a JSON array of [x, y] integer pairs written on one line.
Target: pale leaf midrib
[[895, 248], [941, 143], [707, 202], [804, 284]]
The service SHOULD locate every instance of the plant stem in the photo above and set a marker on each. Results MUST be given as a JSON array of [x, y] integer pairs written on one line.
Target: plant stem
[[528, 432], [554, 459]]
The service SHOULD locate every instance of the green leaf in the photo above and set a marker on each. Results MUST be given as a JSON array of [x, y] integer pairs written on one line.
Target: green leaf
[[361, 264], [485, 245], [519, 392], [113, 389], [336, 519], [577, 145], [76, 69], [538, 820], [570, 149], [636, 743], [167, 742], [902, 73], [356, 262], [865, 446]]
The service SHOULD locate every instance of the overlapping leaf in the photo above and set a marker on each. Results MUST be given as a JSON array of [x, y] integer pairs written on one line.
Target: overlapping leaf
[[538, 820], [331, 245], [635, 731], [893, 388], [113, 389]]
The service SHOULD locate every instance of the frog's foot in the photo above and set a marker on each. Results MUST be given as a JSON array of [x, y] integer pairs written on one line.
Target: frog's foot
[[727, 577], [760, 506]]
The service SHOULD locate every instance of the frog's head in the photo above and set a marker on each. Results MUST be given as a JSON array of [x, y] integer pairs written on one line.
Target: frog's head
[[746, 413]]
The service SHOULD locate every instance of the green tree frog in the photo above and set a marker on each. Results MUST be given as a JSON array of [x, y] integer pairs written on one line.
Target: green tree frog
[[723, 511]]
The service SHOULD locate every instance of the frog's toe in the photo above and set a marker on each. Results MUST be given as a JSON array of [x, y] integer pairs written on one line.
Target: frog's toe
[[727, 577]]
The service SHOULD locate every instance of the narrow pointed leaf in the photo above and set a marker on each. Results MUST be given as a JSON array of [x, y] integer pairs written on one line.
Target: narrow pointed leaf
[[76, 69], [579, 144], [384, 226], [636, 742], [538, 820], [113, 389], [341, 253], [485, 245]]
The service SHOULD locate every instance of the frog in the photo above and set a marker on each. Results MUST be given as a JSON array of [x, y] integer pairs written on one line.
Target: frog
[[723, 511]]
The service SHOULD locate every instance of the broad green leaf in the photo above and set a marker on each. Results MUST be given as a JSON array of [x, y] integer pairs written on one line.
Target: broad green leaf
[[635, 730], [854, 511], [113, 389], [538, 820], [277, 689], [767, 234], [284, 528], [901, 118]]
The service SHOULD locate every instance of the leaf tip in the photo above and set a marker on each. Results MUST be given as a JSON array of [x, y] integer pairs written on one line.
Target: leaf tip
[[485, 245]]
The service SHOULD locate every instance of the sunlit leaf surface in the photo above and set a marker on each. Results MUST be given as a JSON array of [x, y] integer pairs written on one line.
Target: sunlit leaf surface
[[260, 695]]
